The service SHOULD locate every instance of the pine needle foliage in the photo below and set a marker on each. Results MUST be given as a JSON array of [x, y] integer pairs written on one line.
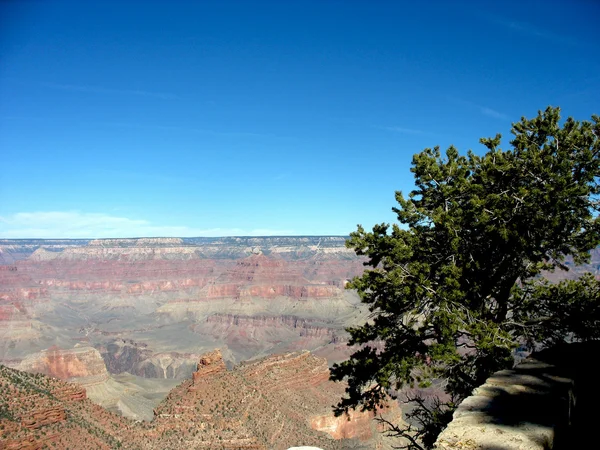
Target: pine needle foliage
[[455, 286]]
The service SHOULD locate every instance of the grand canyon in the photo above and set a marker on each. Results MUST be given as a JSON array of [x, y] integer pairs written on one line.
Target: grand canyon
[[181, 343], [214, 342]]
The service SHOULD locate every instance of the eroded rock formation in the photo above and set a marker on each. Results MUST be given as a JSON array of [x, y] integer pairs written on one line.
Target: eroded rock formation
[[271, 403], [253, 295], [210, 364], [81, 363]]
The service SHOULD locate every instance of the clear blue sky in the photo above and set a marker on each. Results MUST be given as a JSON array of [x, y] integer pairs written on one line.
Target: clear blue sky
[[254, 118]]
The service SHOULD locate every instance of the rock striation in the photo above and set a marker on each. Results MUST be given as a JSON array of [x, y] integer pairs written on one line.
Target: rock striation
[[272, 403], [210, 364], [41, 417], [264, 404], [82, 364], [177, 298]]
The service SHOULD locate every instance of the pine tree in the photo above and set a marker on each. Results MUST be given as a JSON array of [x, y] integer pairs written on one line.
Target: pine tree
[[455, 287]]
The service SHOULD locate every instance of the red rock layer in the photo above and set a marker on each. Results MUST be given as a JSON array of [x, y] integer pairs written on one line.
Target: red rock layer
[[273, 403], [209, 365], [41, 417], [65, 364]]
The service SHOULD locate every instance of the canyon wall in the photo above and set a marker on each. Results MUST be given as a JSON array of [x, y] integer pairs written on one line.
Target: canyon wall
[[271, 403], [127, 318], [172, 299]]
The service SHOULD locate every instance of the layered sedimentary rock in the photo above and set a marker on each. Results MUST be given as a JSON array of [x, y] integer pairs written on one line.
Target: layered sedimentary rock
[[272, 403], [40, 412], [210, 364], [43, 416], [122, 355], [306, 327], [172, 299], [151, 307], [82, 364]]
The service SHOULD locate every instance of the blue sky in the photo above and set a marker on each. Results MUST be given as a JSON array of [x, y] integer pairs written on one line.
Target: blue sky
[[220, 118]]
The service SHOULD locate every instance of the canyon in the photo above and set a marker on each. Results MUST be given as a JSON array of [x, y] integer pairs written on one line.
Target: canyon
[[129, 319], [135, 325], [151, 306], [270, 403]]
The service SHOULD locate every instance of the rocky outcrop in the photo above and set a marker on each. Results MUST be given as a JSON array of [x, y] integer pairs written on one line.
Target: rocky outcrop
[[81, 363], [355, 425], [287, 371], [70, 393], [547, 401], [41, 254], [266, 404], [313, 328], [29, 443], [209, 365], [40, 412], [42, 417]]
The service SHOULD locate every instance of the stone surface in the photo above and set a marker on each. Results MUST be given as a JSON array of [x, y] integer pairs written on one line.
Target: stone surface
[[83, 364], [106, 291], [266, 404], [210, 364], [537, 405]]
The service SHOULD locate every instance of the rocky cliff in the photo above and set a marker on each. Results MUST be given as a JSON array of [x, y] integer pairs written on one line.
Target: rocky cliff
[[39, 412], [121, 355], [82, 364], [274, 402], [172, 299], [271, 403]]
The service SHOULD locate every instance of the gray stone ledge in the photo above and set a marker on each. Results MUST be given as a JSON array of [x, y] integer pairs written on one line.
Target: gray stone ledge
[[531, 407]]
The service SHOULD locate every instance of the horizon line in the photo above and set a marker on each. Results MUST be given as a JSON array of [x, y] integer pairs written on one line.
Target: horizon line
[[177, 237]]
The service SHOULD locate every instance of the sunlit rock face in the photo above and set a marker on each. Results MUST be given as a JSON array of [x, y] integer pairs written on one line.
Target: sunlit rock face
[[274, 402], [209, 365], [151, 306], [82, 363], [265, 404]]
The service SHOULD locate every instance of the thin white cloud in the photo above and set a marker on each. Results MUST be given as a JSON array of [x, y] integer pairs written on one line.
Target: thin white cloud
[[492, 112], [103, 90], [179, 129], [75, 224], [402, 130], [529, 29], [485, 110]]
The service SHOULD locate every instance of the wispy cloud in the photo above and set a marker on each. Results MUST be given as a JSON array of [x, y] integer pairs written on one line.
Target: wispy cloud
[[492, 112], [531, 30], [75, 224], [485, 110], [183, 129], [151, 127], [104, 90], [401, 130]]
